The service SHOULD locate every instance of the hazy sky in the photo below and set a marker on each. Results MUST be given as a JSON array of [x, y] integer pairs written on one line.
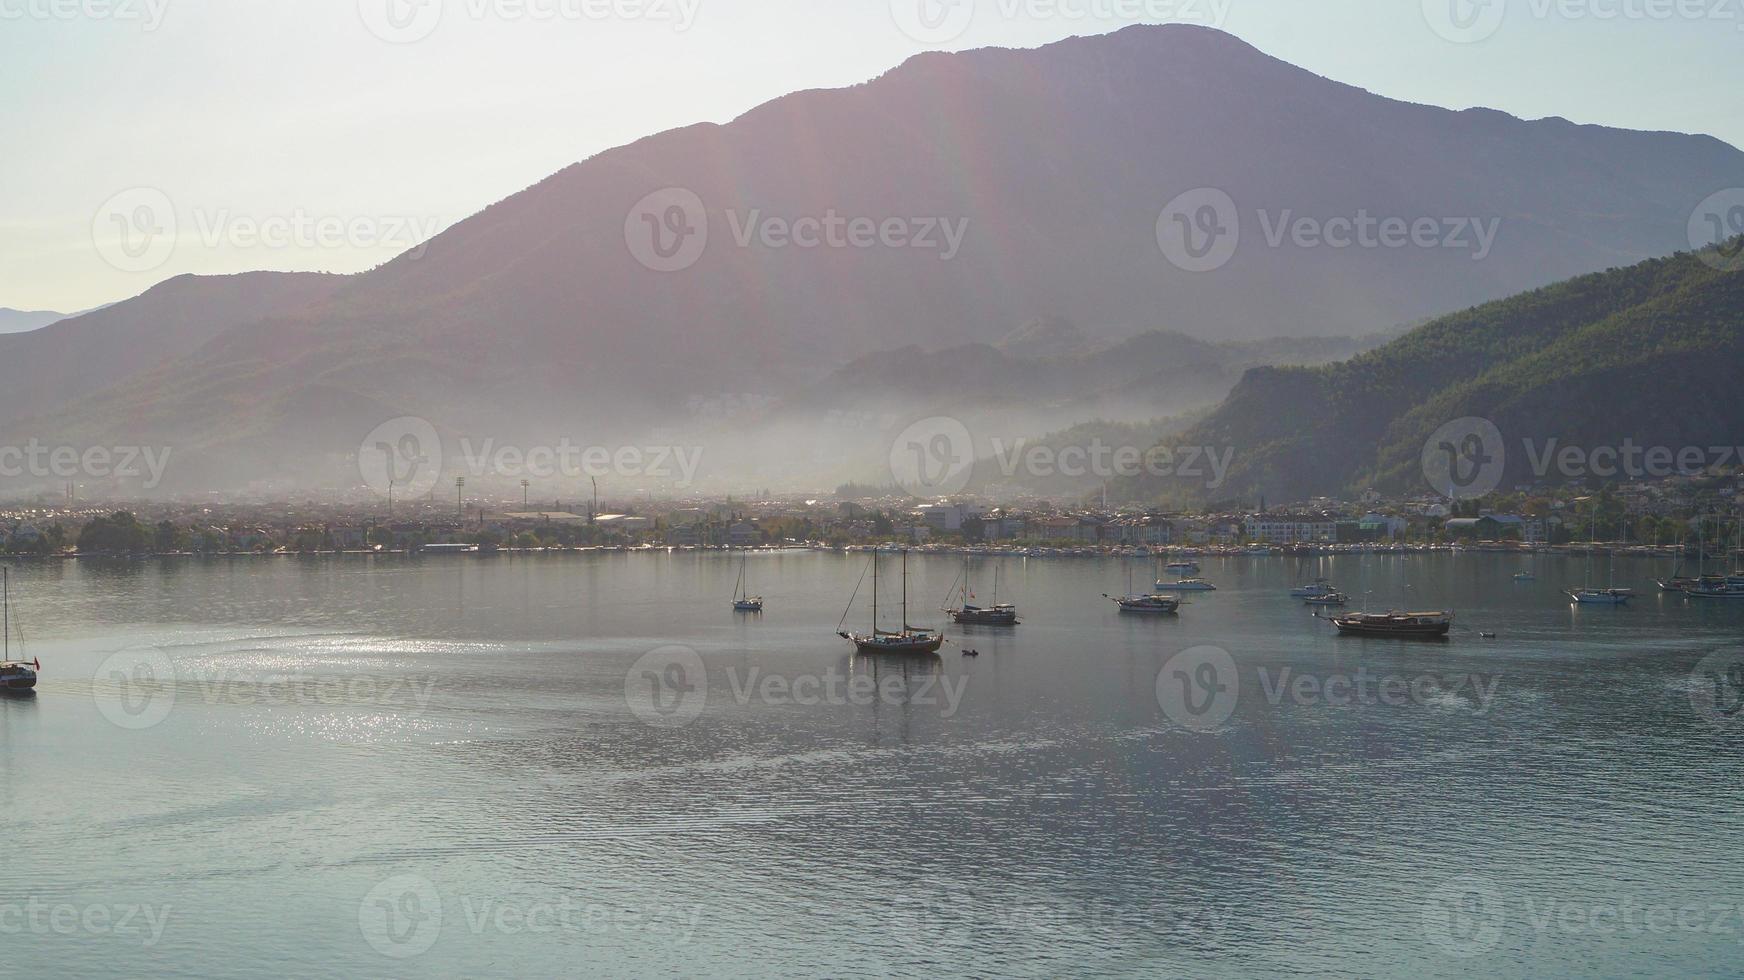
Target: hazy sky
[[331, 134]]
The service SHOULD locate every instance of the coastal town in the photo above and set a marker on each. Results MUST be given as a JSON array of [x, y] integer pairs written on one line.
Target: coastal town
[[1657, 514]]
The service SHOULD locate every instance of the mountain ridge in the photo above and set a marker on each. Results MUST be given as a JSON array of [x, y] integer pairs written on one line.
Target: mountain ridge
[[1655, 343], [536, 312]]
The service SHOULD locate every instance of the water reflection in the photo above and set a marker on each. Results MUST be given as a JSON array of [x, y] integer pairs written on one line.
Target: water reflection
[[1032, 811]]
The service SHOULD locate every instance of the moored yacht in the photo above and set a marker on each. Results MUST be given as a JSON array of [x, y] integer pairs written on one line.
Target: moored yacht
[[967, 613], [1187, 585], [1144, 605], [1147, 605], [16, 676], [1419, 625], [1714, 587], [1588, 594], [743, 600], [906, 641], [1601, 597]]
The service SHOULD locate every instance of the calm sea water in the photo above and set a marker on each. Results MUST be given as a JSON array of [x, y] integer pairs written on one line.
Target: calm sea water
[[518, 766]]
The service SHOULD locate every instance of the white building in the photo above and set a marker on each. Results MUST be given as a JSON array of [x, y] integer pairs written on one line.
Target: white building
[[1289, 529]]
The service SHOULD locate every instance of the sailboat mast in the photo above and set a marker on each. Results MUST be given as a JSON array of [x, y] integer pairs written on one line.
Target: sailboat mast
[[905, 590], [1613, 572], [874, 592], [6, 613]]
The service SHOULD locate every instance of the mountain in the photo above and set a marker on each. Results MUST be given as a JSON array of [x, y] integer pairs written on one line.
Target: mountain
[[1044, 377], [73, 358], [997, 186], [1052, 371], [1646, 356], [20, 321]]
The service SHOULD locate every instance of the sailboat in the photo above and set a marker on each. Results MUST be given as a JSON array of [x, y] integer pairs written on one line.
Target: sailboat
[[16, 676], [1587, 595], [1678, 582], [908, 640], [743, 600], [1145, 605], [968, 614], [1719, 586]]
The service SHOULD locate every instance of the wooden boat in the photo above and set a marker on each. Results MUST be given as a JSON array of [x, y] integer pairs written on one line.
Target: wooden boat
[[16, 676], [1588, 595], [1147, 605], [1153, 604], [1419, 625], [969, 614], [907, 641]]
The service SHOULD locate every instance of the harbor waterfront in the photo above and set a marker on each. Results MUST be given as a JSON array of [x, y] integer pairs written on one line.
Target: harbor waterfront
[[547, 764]]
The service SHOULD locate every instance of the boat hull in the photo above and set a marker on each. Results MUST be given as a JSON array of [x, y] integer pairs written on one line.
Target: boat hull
[[1395, 627], [1149, 606], [984, 617], [898, 646]]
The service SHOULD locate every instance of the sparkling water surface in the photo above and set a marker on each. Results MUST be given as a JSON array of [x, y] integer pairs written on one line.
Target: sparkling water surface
[[463, 766]]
